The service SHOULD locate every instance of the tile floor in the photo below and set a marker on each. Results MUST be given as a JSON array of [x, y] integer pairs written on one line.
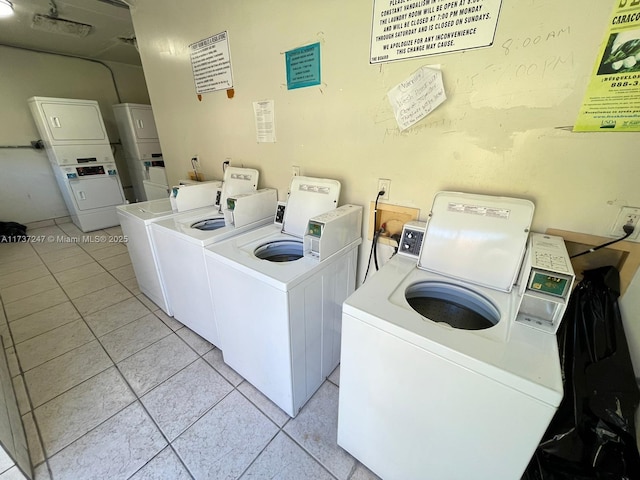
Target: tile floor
[[109, 387]]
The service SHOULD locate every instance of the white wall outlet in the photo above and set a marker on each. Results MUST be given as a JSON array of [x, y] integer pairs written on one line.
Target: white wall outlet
[[295, 170], [626, 216], [384, 184]]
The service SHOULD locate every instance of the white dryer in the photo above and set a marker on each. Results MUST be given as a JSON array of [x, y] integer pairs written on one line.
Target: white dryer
[[141, 147], [179, 245], [78, 148], [278, 307], [437, 380], [135, 220]]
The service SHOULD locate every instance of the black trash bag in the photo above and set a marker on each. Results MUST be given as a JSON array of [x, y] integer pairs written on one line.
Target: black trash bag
[[12, 232], [592, 435]]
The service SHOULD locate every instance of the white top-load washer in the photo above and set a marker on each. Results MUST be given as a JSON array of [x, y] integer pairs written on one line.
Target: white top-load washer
[[278, 302], [180, 240], [436, 377], [136, 219]]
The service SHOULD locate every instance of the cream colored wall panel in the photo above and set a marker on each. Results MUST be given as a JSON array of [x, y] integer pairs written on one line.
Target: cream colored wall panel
[[498, 130]]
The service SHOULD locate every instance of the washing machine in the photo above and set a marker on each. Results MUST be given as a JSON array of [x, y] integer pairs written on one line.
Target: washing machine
[[179, 245], [277, 293], [437, 380], [136, 219]]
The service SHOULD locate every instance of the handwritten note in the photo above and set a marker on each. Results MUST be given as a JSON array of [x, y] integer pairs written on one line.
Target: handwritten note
[[417, 96]]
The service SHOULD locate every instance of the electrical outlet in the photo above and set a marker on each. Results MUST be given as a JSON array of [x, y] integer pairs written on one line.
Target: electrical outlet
[[295, 170], [627, 216], [384, 184]]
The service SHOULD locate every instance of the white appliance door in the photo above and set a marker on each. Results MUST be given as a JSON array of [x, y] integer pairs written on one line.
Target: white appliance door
[[68, 122], [91, 193], [144, 125], [477, 238], [308, 197]]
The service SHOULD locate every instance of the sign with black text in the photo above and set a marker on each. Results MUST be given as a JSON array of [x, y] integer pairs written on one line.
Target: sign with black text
[[612, 100], [405, 29], [211, 64]]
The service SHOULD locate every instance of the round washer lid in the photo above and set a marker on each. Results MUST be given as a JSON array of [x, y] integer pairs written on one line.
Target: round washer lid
[[480, 239]]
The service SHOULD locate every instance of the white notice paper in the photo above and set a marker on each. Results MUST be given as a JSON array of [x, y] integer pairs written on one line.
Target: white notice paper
[[211, 64], [417, 97], [403, 29], [265, 121]]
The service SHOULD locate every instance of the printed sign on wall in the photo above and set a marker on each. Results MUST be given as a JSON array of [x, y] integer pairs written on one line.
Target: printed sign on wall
[[303, 66], [211, 64], [612, 100], [405, 29]]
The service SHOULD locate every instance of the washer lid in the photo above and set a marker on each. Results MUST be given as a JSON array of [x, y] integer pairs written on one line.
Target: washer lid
[[238, 180], [480, 239], [308, 197]]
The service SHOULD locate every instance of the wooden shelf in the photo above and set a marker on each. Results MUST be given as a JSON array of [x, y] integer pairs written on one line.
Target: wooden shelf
[[393, 217]]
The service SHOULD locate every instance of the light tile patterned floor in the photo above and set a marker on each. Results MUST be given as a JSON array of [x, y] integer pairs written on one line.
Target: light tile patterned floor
[[110, 387]]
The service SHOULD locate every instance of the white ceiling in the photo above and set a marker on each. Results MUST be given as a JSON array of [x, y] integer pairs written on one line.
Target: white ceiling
[[109, 22]]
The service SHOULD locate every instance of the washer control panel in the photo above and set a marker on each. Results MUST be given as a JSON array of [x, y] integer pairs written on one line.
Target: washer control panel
[[545, 282], [411, 239]]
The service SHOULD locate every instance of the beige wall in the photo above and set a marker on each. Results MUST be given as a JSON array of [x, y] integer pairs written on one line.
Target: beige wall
[[28, 191], [503, 129]]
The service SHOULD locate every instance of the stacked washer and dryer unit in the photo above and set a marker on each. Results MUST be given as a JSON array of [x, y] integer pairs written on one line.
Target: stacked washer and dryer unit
[[142, 151], [440, 376], [78, 148]]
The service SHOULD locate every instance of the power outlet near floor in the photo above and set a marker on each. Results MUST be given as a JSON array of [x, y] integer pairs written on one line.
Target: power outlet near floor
[[627, 216]]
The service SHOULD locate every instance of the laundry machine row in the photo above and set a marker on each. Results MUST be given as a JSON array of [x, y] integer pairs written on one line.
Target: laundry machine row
[[261, 280], [135, 221], [437, 378]]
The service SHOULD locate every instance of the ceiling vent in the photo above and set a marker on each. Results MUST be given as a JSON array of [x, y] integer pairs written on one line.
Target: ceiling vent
[[46, 23], [53, 24]]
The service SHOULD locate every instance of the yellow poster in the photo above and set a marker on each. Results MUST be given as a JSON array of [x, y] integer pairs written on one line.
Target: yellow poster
[[612, 100]]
